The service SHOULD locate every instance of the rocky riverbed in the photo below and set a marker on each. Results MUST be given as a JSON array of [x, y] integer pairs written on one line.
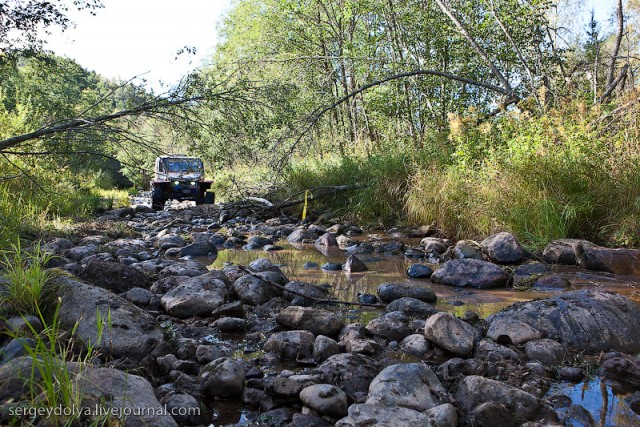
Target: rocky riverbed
[[261, 343]]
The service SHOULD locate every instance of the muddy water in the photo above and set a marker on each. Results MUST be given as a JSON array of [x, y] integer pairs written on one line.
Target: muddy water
[[383, 268]]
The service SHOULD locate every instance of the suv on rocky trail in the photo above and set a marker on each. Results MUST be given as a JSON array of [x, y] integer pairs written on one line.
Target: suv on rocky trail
[[179, 177]]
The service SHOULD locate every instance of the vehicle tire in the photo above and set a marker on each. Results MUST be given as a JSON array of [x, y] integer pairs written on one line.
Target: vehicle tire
[[157, 199], [209, 198]]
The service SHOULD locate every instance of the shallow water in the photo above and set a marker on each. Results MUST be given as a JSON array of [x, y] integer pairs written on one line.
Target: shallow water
[[346, 287]]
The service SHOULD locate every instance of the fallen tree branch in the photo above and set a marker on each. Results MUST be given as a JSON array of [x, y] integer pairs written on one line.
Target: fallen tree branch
[[300, 294]]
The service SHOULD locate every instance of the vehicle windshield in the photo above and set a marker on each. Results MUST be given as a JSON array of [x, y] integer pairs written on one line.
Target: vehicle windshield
[[184, 165]]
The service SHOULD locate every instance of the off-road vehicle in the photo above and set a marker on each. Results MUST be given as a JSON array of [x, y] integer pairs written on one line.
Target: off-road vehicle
[[179, 177]]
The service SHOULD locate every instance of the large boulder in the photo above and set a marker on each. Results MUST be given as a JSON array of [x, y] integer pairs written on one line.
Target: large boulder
[[114, 276], [122, 393], [508, 330], [392, 326], [327, 399], [503, 248], [354, 265], [588, 320], [315, 320], [198, 296], [291, 345], [409, 385], [367, 415], [253, 290], [389, 292], [474, 391], [470, 272], [616, 261], [131, 333], [450, 333], [412, 307], [300, 235], [563, 251]]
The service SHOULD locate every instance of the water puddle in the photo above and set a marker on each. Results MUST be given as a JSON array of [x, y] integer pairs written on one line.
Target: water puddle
[[592, 403]]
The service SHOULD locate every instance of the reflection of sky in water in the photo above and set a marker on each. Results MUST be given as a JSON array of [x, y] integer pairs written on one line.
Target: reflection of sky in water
[[606, 407], [393, 269]]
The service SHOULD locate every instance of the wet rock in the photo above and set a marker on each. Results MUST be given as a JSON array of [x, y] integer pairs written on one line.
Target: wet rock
[[474, 391], [563, 251], [633, 401], [622, 368], [231, 325], [587, 320], [327, 240], [389, 248], [450, 333], [616, 261], [345, 242], [503, 248], [299, 235], [419, 271], [223, 377], [133, 333], [545, 351], [493, 352], [170, 241], [470, 272], [303, 293], [411, 307], [363, 248], [409, 385], [261, 264], [199, 249], [392, 326], [351, 372], [551, 282], [468, 249], [331, 266], [324, 347], [389, 292], [197, 296], [435, 244], [114, 276], [570, 373], [415, 344], [367, 299], [367, 415], [354, 265], [507, 330], [415, 252], [123, 392], [317, 321], [291, 345], [253, 290], [259, 241], [326, 399], [310, 265]]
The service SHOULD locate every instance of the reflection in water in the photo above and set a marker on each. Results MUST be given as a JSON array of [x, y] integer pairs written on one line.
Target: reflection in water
[[393, 269], [605, 406]]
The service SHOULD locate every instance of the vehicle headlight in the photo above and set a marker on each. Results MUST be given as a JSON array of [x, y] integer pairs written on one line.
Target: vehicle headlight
[[176, 182], [193, 183]]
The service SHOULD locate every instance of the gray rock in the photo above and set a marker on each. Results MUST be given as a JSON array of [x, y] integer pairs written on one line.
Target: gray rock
[[587, 320], [224, 377], [324, 347], [114, 276], [57, 245], [138, 296], [299, 235], [133, 333], [331, 266], [327, 240], [16, 380], [503, 248], [551, 282], [291, 345], [435, 244], [123, 392], [199, 249], [78, 253], [317, 321], [367, 415], [183, 268], [390, 248], [306, 420], [165, 284], [261, 264], [326, 399], [209, 353], [450, 333], [21, 325], [545, 351], [351, 372], [493, 352], [15, 348], [467, 249], [388, 292], [444, 415], [231, 325], [303, 293], [508, 330], [170, 241], [411, 307], [392, 326], [345, 242], [470, 272], [409, 385], [198, 296], [616, 261], [186, 409], [570, 373], [415, 344], [475, 390], [563, 251], [253, 290], [354, 265], [419, 271], [259, 241]]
